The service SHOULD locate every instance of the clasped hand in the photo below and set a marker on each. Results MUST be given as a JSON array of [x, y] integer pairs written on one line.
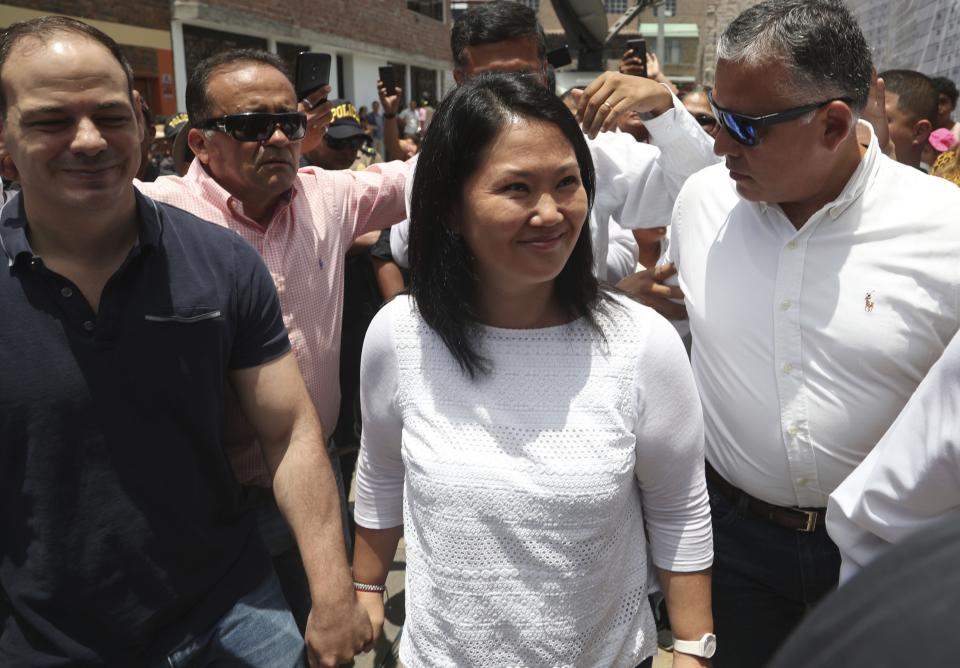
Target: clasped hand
[[337, 633]]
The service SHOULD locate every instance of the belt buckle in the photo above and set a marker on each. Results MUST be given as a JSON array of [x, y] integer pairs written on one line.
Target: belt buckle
[[811, 524]]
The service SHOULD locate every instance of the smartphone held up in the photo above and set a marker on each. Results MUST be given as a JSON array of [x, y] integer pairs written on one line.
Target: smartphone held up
[[388, 75], [312, 73], [639, 49]]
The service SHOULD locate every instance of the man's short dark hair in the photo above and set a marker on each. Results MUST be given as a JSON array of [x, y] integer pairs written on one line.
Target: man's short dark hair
[[43, 28], [946, 86], [819, 41], [199, 107], [493, 22], [918, 95]]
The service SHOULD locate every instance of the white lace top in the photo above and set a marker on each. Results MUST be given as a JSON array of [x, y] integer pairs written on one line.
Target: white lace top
[[524, 494]]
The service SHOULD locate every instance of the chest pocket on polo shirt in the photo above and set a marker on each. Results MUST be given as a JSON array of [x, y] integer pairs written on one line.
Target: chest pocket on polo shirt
[[186, 316], [189, 349], [182, 332]]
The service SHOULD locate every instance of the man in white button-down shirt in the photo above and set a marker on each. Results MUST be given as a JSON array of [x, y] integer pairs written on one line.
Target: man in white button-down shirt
[[821, 280]]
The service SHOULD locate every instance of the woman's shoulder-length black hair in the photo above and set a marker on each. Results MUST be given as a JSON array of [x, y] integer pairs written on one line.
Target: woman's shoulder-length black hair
[[443, 281]]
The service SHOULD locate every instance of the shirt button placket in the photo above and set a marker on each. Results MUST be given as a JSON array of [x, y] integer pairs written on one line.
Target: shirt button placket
[[788, 288]]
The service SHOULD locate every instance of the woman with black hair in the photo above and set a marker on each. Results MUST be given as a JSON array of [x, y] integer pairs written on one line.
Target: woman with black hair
[[526, 428]]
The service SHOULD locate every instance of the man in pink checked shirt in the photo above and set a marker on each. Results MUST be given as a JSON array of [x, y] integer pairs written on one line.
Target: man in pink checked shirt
[[247, 135]]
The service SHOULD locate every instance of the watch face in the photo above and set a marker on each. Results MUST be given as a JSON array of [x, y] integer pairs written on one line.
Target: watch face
[[709, 645]]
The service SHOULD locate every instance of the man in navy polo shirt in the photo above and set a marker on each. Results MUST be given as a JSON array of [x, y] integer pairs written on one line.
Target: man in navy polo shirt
[[123, 540]]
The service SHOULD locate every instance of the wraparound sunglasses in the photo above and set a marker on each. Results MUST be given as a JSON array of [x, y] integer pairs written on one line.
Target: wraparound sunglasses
[[259, 126], [745, 129]]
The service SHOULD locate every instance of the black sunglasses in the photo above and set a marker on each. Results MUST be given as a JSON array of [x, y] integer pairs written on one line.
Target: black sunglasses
[[745, 129], [355, 143], [259, 126]]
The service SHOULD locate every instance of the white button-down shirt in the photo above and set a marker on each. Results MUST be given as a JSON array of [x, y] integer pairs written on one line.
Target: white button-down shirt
[[807, 343], [910, 480]]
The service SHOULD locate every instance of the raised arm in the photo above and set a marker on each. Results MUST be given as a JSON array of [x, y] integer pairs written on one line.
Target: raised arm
[[391, 131]]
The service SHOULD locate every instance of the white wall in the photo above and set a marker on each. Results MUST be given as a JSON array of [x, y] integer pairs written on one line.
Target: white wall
[[365, 74], [359, 66]]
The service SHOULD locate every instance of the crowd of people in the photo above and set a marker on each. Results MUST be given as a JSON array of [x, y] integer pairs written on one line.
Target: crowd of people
[[601, 358]]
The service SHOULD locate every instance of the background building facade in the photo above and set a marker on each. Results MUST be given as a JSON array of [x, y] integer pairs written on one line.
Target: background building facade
[[681, 33], [716, 17], [164, 39], [922, 35]]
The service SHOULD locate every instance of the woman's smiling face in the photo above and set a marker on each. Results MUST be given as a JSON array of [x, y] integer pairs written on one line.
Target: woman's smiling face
[[523, 207]]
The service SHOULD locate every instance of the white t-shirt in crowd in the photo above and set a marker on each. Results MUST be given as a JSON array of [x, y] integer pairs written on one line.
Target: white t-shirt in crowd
[[524, 494], [910, 480], [411, 121], [807, 343]]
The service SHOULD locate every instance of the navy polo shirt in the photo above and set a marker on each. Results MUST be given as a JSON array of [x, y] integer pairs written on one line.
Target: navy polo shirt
[[122, 527]]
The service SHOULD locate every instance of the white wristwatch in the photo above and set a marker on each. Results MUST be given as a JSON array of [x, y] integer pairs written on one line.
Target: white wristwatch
[[705, 647]]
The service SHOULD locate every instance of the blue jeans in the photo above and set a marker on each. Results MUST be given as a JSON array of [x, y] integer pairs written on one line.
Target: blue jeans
[[765, 579], [257, 631]]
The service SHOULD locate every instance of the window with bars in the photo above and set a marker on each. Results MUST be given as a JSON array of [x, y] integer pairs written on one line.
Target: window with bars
[[616, 6], [669, 8], [674, 51], [431, 8]]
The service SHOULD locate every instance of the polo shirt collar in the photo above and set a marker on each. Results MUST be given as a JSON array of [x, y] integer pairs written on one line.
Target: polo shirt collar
[[858, 182], [13, 226], [224, 201], [150, 221]]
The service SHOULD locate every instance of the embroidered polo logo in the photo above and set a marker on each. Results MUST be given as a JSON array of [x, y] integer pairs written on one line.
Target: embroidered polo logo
[[321, 263], [868, 302]]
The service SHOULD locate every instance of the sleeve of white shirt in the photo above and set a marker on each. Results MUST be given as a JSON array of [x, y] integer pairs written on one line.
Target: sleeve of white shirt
[[910, 479], [685, 148], [622, 253], [400, 233], [669, 466], [628, 189], [400, 243], [380, 472], [637, 183]]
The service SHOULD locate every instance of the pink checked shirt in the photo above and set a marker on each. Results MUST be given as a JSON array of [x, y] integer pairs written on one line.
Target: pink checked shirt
[[303, 247]]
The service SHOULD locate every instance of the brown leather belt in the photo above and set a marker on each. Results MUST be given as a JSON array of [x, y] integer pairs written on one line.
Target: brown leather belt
[[806, 520]]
